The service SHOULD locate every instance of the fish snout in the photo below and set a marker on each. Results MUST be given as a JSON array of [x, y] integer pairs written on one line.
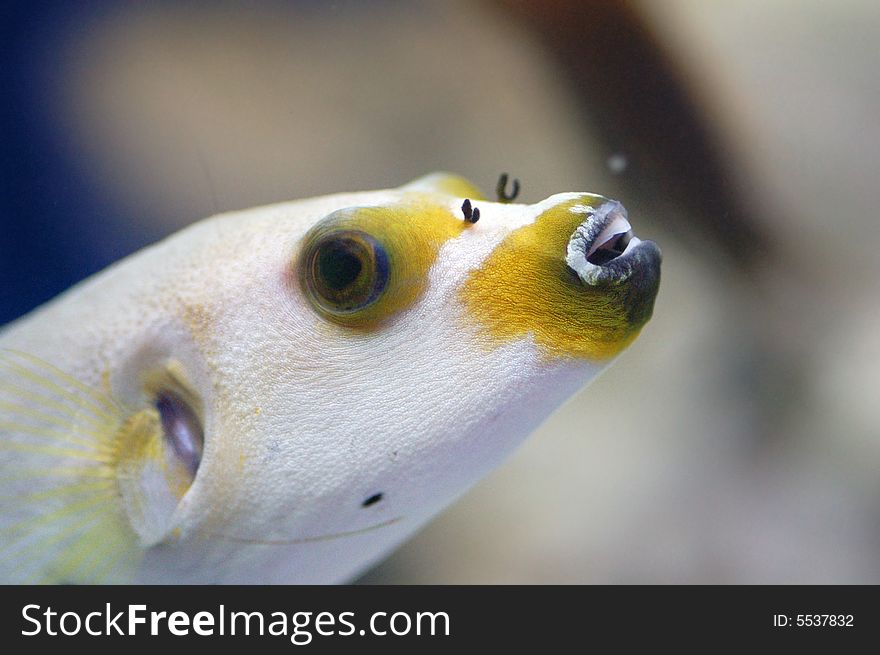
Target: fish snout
[[603, 252], [576, 280]]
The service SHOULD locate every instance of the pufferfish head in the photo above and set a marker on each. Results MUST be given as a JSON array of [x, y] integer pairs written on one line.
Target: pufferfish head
[[321, 377]]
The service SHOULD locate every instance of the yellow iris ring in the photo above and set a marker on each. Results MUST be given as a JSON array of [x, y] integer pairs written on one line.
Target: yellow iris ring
[[410, 234], [526, 288]]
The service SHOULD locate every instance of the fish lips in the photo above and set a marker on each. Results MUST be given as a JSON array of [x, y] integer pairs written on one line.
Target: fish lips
[[604, 253]]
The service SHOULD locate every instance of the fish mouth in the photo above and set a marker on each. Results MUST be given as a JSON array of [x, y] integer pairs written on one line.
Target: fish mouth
[[604, 251]]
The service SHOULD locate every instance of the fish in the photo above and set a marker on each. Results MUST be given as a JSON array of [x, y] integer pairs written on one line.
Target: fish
[[287, 393]]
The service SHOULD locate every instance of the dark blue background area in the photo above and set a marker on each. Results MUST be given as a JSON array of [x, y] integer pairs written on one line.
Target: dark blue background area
[[50, 217], [54, 227]]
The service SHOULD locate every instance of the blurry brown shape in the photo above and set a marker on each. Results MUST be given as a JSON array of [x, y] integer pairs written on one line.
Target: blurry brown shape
[[630, 87]]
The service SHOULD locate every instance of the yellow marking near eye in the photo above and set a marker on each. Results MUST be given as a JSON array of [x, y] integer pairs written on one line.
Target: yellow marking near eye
[[411, 232], [526, 288]]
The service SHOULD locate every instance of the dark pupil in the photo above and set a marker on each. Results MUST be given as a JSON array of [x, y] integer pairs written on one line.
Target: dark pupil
[[338, 267]]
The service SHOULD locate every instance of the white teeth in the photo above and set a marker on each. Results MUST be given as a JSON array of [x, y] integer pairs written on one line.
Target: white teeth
[[613, 230], [581, 246], [633, 242]]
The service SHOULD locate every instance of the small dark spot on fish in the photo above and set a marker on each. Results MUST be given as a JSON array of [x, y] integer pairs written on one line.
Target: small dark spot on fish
[[372, 500]]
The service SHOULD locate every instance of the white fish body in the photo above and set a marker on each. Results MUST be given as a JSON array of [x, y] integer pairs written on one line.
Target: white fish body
[[286, 393]]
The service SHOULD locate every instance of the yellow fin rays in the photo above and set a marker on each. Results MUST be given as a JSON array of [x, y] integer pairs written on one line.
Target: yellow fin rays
[[60, 513]]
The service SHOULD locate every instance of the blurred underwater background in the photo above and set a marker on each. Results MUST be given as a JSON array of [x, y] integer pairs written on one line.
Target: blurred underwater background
[[737, 441]]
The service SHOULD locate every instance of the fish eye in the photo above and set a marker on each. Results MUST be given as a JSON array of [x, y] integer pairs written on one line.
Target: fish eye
[[345, 271], [182, 430]]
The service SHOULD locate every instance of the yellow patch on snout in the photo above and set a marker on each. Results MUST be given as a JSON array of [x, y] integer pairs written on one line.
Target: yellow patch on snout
[[525, 287]]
